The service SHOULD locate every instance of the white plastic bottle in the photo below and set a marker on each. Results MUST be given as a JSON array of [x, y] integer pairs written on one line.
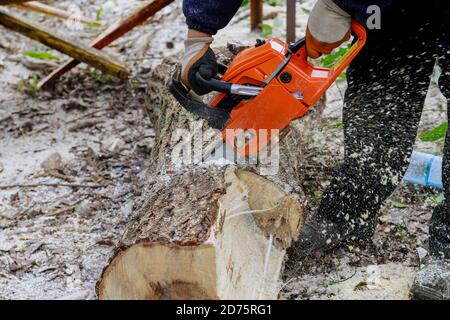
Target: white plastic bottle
[[424, 169]]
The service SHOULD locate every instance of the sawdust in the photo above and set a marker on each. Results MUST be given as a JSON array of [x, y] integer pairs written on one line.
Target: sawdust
[[48, 256], [375, 282]]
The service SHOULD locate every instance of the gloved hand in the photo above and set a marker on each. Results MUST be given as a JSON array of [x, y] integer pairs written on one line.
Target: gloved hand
[[198, 57], [328, 27]]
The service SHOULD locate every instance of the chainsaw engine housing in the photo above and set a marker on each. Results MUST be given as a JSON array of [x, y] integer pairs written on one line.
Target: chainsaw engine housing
[[291, 86]]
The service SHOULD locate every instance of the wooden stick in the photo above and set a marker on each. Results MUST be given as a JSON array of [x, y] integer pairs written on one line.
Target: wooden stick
[[114, 32], [89, 55], [61, 211], [290, 32], [44, 184], [52, 11], [7, 2], [256, 14]]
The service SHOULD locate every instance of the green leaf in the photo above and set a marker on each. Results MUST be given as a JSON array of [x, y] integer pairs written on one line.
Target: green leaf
[[274, 3], [342, 76], [329, 60], [40, 55], [98, 13], [305, 10], [266, 30], [437, 199], [398, 203], [245, 3], [92, 25], [29, 86], [337, 125], [435, 134]]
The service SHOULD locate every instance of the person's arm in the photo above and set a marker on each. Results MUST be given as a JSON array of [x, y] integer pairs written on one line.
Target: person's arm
[[204, 19], [358, 8], [209, 16], [330, 22]]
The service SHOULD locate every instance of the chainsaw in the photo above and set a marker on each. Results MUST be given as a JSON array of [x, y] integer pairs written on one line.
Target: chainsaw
[[262, 90]]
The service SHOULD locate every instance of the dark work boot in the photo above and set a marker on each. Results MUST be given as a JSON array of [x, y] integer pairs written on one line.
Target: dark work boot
[[433, 281], [440, 232], [318, 234]]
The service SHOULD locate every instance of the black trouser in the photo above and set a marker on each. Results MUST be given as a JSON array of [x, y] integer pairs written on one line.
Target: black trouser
[[388, 83]]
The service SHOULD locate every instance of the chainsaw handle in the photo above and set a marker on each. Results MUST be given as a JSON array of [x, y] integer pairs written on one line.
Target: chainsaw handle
[[342, 64], [294, 47], [221, 68], [348, 57], [214, 84]]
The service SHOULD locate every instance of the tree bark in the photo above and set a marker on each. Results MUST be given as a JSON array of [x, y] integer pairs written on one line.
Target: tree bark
[[205, 232]]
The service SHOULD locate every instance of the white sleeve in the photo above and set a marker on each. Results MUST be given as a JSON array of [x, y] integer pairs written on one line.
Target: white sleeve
[[328, 22]]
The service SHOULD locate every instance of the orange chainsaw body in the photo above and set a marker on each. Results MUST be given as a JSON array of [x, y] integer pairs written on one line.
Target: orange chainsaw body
[[289, 95]]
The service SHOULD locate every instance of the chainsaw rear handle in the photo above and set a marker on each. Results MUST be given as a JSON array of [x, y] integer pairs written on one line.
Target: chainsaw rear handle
[[358, 30]]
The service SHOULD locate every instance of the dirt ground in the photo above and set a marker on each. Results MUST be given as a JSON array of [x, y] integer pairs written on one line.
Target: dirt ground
[[92, 131]]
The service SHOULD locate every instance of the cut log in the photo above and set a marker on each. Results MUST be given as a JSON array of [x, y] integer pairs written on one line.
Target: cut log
[[193, 239], [204, 232], [81, 52]]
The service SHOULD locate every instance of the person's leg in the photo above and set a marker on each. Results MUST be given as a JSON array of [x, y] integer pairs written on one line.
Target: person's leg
[[433, 280], [440, 221], [388, 83]]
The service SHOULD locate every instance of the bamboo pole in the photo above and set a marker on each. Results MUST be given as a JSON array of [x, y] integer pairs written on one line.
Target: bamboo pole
[[84, 53], [111, 34]]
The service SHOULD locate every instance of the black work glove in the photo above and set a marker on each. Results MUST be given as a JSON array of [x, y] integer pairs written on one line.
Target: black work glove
[[198, 57]]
